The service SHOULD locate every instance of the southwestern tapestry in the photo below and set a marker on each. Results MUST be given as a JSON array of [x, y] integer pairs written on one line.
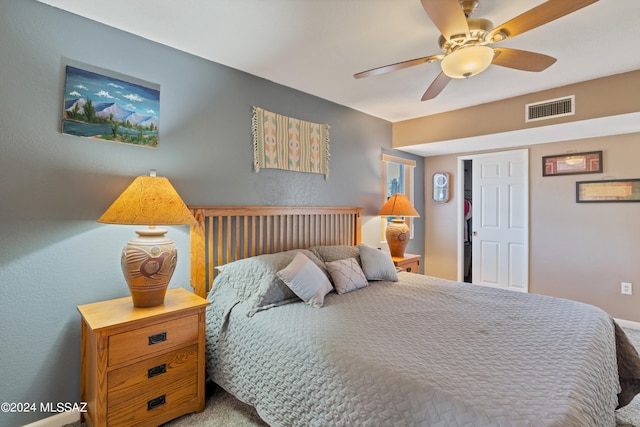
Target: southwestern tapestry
[[281, 142]]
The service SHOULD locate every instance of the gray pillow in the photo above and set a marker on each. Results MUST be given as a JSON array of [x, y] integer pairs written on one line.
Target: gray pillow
[[256, 282], [376, 264], [336, 252], [306, 280], [347, 275]]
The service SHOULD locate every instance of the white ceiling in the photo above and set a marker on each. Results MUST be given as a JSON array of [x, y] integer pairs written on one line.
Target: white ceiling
[[316, 46]]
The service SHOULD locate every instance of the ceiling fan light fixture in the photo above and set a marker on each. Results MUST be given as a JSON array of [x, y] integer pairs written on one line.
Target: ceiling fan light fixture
[[467, 61]]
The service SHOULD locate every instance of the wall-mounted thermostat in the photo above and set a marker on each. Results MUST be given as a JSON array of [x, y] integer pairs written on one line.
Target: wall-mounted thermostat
[[441, 187]]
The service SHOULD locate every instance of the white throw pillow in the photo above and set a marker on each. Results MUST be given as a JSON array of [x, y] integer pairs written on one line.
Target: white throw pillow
[[376, 264], [306, 280], [347, 275]]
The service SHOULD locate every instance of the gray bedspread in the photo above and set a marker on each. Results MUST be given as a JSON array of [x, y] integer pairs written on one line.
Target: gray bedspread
[[419, 352]]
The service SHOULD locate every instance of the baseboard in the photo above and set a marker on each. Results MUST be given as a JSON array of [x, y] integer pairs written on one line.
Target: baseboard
[[56, 420], [628, 324]]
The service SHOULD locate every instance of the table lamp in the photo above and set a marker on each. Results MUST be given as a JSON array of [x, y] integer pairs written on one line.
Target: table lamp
[[397, 232], [148, 260]]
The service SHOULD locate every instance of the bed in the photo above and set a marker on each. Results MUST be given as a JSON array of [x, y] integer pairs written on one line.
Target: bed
[[401, 349]]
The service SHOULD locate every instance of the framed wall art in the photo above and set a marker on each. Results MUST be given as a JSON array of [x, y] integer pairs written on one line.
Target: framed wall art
[[572, 164], [614, 190], [287, 143], [113, 109]]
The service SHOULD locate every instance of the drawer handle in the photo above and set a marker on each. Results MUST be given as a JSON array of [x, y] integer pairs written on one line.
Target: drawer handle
[[157, 338], [154, 403], [157, 370], [408, 269]]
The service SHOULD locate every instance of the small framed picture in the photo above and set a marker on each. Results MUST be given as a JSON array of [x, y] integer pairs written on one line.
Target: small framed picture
[[99, 106], [615, 190], [572, 164]]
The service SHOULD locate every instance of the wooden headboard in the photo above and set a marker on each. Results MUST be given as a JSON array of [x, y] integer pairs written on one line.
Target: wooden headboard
[[229, 233]]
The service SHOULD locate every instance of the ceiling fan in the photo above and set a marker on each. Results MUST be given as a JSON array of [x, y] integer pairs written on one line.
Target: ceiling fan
[[465, 41]]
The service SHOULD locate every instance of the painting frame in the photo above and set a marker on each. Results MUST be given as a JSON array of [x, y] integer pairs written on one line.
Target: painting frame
[[572, 164], [608, 191], [104, 105]]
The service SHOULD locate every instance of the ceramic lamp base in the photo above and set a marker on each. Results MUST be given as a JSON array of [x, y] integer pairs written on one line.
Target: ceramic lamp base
[[397, 234], [148, 262]]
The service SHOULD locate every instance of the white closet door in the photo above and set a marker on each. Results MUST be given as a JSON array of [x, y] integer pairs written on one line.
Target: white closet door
[[501, 220]]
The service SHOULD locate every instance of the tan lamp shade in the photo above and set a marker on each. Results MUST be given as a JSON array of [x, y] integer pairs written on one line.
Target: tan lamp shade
[[149, 200], [398, 233], [398, 205], [149, 260]]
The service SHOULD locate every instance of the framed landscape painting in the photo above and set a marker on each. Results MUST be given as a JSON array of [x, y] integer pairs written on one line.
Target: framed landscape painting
[[102, 107]]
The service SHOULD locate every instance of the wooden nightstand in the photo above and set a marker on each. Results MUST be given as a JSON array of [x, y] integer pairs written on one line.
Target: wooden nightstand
[[142, 366], [409, 263]]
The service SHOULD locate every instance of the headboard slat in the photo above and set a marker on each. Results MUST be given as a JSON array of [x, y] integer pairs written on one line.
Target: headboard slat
[[229, 233]]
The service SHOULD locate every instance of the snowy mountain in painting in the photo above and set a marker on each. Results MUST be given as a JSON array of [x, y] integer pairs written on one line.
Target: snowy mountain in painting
[[104, 110]]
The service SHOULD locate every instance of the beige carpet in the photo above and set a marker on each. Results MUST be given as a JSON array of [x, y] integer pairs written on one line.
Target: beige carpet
[[223, 410]]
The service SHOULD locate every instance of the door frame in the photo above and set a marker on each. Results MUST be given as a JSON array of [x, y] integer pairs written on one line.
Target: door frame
[[459, 189]]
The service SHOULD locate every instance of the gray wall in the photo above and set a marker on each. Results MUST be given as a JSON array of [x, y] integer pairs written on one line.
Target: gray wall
[[53, 254]]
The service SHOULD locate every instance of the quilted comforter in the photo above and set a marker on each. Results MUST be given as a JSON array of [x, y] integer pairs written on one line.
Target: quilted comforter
[[419, 352]]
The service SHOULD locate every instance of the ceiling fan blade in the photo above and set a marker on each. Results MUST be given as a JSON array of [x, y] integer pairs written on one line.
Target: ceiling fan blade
[[539, 15], [448, 17], [436, 87], [522, 59], [397, 66]]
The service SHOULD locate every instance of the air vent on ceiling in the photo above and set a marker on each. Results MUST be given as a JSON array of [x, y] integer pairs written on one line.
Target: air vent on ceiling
[[550, 109]]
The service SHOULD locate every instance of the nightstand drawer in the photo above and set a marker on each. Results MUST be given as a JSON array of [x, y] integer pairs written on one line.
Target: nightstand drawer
[[409, 263], [153, 406], [411, 267], [151, 339], [153, 372]]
